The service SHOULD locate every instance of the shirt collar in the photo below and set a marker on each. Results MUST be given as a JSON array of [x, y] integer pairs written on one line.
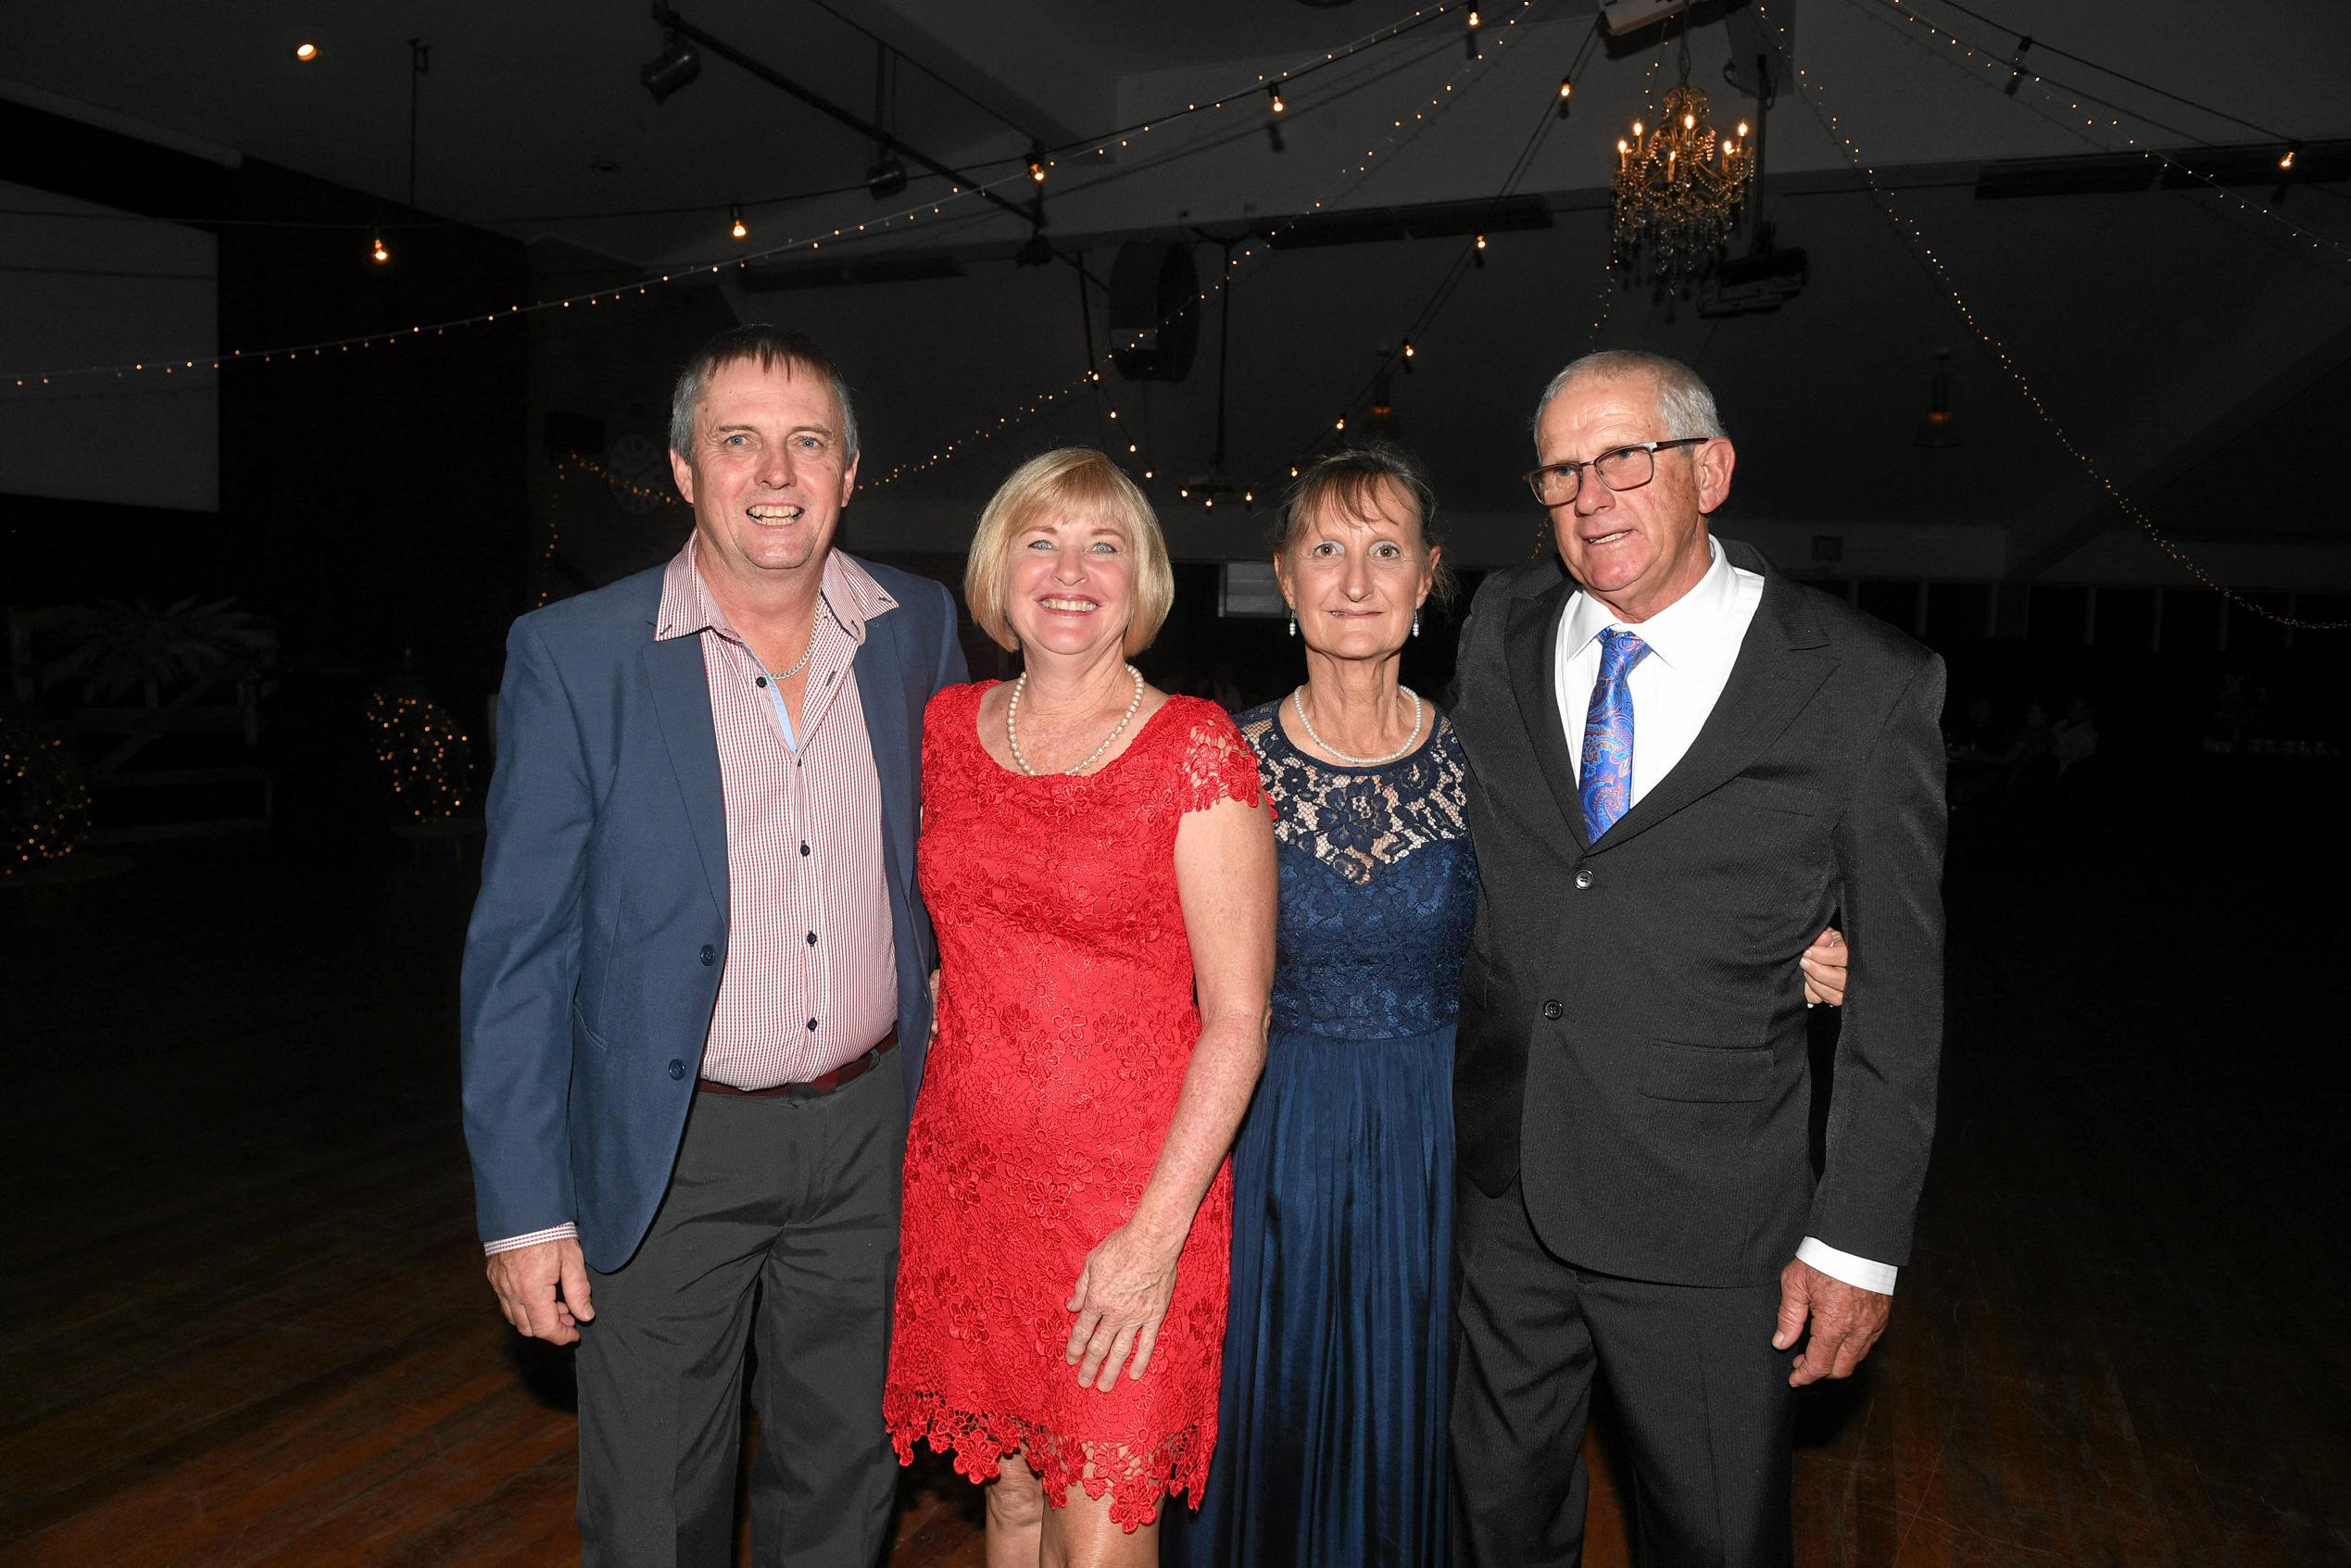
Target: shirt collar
[[1684, 634], [849, 593]]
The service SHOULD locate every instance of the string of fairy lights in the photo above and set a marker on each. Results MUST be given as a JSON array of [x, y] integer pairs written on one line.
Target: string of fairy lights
[[1399, 134], [425, 757], [1808, 89], [1999, 72], [1035, 170], [44, 802]]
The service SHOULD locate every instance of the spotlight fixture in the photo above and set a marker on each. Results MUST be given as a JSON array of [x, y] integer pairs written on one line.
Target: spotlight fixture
[[1036, 164], [380, 254], [737, 228], [1408, 355], [674, 68], [306, 50], [1035, 251], [1473, 17], [885, 177], [1567, 89], [1481, 242], [2287, 161], [1275, 93]]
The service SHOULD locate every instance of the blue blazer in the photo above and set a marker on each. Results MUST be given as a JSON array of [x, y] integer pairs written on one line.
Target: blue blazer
[[593, 959]]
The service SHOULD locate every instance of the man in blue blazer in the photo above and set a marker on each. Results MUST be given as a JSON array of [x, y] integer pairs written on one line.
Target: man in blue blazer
[[695, 990]]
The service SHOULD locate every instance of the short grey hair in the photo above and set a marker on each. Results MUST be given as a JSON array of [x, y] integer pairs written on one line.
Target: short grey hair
[[770, 346], [1684, 402]]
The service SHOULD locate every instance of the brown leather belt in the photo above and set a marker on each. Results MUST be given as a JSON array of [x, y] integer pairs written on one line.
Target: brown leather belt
[[817, 1087]]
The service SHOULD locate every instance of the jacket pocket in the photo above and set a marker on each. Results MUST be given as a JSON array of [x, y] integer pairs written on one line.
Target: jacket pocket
[[1764, 795], [581, 1032], [1703, 1074]]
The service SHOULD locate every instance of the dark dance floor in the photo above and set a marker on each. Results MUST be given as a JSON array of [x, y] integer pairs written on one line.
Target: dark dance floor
[[244, 1319]]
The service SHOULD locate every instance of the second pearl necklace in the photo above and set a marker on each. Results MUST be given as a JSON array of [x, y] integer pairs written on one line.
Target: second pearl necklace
[[1013, 733]]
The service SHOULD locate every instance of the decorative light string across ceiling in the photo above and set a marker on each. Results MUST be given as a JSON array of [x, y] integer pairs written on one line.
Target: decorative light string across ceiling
[[1914, 238]]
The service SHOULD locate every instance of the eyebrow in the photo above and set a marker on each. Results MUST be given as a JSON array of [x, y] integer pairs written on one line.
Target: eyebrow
[[796, 429]]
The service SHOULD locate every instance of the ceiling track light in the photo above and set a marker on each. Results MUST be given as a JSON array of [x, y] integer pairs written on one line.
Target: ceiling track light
[[737, 229], [1036, 164], [1274, 92], [2287, 161], [674, 68]]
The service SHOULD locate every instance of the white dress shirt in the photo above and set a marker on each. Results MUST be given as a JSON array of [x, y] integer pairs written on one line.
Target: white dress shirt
[[1692, 645]]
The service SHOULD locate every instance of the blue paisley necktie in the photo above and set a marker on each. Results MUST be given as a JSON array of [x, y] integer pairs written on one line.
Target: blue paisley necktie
[[1605, 782]]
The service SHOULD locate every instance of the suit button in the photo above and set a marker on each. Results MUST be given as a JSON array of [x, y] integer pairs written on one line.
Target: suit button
[[710, 955], [1583, 876], [677, 1069], [1553, 1011]]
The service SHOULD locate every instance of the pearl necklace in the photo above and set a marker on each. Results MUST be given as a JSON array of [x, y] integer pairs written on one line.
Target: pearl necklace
[[1013, 733], [1298, 706]]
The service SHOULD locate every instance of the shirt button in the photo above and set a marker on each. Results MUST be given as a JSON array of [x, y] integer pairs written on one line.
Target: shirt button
[[803, 849], [811, 938], [762, 681], [1553, 1011], [811, 1026], [710, 955], [677, 1068], [1583, 877]]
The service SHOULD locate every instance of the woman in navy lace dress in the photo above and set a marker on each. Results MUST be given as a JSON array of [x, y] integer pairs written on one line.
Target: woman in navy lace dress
[[1336, 1377], [1332, 1423]]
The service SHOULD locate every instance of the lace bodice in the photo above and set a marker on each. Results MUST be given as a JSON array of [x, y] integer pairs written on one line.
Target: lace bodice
[[1379, 886]]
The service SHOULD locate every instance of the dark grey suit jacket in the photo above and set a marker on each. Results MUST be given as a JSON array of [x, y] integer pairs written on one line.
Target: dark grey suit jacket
[[1632, 1040]]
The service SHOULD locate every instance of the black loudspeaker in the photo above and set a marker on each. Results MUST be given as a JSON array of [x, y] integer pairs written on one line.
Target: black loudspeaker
[[1154, 311]]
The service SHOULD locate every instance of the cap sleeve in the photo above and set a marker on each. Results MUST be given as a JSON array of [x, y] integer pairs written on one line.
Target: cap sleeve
[[1218, 764]]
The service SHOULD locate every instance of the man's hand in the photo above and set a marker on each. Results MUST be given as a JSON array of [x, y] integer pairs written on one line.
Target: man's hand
[[1825, 963], [543, 1290], [1846, 1321]]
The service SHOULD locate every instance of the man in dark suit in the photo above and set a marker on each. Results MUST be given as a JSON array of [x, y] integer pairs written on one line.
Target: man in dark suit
[[1682, 764], [695, 991]]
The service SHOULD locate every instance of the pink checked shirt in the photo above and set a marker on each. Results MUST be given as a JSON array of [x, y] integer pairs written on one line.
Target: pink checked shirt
[[811, 965]]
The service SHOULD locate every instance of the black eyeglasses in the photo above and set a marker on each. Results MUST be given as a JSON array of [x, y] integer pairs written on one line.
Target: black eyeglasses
[[1620, 468]]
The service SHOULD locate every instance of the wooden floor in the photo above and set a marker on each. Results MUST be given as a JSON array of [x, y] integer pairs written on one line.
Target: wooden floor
[[241, 1316]]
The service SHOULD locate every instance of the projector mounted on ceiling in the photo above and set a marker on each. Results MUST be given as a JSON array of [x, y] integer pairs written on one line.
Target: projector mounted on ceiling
[[1621, 17]]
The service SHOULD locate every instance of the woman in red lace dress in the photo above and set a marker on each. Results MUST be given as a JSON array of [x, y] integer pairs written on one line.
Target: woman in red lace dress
[[1095, 853]]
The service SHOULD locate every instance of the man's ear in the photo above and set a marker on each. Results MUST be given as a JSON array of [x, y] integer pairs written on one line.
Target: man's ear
[[1715, 460], [682, 473]]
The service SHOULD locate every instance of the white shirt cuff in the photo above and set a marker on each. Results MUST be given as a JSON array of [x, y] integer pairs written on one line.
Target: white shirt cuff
[[570, 1232], [1844, 1266]]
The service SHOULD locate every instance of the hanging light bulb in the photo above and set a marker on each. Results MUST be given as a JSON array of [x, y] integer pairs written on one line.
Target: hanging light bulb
[[1293, 470], [2287, 161], [1036, 164], [380, 253], [1473, 17], [306, 50], [1276, 91], [1409, 349], [737, 228]]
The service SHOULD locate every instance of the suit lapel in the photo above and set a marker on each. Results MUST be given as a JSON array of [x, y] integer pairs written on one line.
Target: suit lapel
[[881, 691], [1530, 658], [681, 701], [1782, 660]]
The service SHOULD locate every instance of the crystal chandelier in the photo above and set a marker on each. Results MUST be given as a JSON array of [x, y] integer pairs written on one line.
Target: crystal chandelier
[[1679, 188]]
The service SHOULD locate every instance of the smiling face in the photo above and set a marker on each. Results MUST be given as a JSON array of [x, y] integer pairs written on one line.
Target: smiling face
[[1355, 580], [1071, 589], [767, 474], [1637, 551]]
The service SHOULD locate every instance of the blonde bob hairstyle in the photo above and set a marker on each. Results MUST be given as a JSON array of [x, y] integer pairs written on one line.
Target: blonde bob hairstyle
[[1075, 482]]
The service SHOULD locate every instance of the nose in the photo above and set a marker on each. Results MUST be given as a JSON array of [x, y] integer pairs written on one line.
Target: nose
[[775, 469], [1355, 581], [1069, 564], [1592, 496]]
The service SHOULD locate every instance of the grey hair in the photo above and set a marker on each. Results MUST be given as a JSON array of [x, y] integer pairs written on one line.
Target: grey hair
[[1684, 402], [769, 345]]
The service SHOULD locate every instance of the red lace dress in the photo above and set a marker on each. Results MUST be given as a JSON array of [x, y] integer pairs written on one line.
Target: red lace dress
[[1065, 1023]]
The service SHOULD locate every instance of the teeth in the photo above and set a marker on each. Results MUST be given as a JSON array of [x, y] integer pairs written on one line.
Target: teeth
[[783, 513], [1067, 604]]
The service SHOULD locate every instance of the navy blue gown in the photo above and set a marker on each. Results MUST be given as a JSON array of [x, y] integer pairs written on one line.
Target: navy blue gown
[[1330, 1445]]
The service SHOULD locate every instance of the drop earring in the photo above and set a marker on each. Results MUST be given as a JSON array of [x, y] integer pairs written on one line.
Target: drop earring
[[1415, 623], [1293, 624]]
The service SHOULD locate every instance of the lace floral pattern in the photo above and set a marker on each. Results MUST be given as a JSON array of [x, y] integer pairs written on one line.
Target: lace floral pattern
[[1065, 1025], [1378, 885]]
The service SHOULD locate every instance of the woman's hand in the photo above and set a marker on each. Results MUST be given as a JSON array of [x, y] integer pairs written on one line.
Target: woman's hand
[[1824, 964], [1121, 1297]]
